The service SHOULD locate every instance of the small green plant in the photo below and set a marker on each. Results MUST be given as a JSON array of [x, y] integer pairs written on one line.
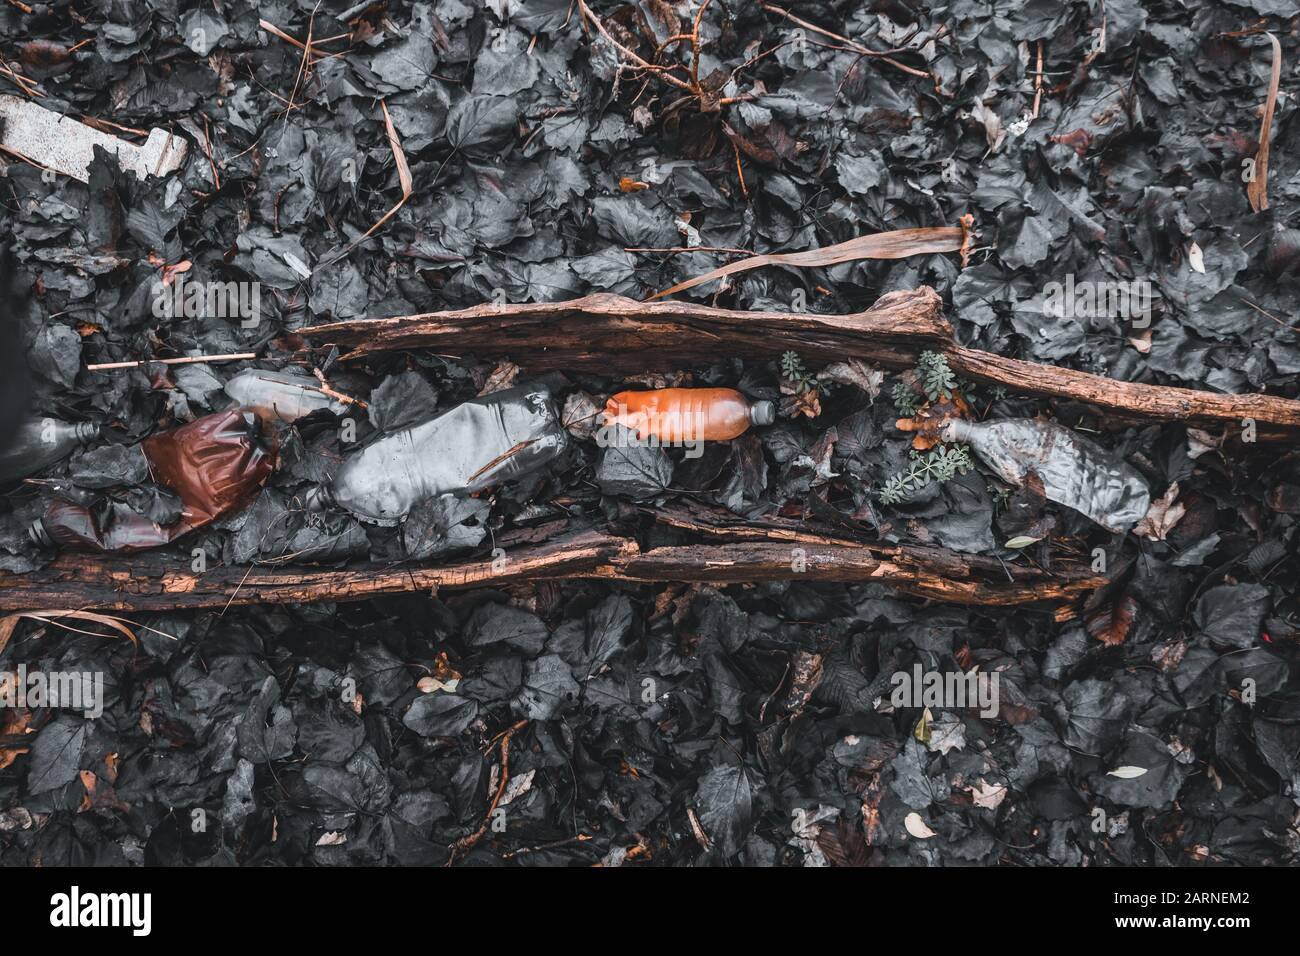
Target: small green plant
[[937, 379], [934, 378], [939, 464], [793, 370], [905, 398]]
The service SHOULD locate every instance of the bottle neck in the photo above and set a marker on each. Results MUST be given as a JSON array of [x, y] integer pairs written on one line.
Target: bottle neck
[[957, 430], [85, 432]]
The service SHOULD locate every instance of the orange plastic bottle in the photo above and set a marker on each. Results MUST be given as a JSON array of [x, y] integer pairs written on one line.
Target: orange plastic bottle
[[677, 415]]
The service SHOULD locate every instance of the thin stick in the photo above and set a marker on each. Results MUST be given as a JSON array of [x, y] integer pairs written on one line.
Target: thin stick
[[856, 47], [600, 28], [1038, 80], [188, 360], [467, 842]]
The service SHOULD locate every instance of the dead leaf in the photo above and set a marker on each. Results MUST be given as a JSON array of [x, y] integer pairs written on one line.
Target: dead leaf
[[806, 403], [502, 377], [916, 826], [581, 416], [1111, 624], [856, 373], [1161, 516], [988, 795], [1196, 258], [898, 244], [1126, 773], [1141, 341], [947, 733], [1257, 188], [928, 422]]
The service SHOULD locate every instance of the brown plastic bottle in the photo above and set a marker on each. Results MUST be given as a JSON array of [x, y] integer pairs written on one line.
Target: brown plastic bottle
[[677, 415], [214, 464]]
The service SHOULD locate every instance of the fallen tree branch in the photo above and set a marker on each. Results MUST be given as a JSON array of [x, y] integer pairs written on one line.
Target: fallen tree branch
[[153, 583], [609, 333]]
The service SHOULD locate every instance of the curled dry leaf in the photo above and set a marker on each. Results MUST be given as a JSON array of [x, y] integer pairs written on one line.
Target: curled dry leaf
[[898, 244], [1161, 516], [856, 373], [916, 826], [1257, 188]]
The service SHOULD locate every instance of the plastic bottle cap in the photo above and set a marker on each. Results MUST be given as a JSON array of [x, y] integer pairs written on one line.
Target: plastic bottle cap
[[763, 413], [87, 432]]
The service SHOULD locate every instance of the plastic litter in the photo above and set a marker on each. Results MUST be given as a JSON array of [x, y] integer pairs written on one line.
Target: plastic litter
[[280, 396], [1075, 472], [214, 464], [40, 443], [678, 415], [479, 444]]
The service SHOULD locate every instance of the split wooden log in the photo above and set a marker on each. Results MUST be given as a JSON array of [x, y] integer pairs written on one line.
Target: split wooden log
[[609, 333], [150, 583]]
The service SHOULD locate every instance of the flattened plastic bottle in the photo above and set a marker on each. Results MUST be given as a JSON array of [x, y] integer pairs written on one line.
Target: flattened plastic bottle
[[678, 415], [280, 396], [214, 464], [40, 443], [1076, 472], [481, 443]]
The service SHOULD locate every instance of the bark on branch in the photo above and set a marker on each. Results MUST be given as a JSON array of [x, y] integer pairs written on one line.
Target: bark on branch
[[611, 333], [151, 583]]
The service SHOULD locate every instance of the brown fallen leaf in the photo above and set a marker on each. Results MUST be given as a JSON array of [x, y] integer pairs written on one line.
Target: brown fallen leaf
[[928, 421], [1161, 516], [1111, 624], [502, 377], [897, 244], [1257, 188]]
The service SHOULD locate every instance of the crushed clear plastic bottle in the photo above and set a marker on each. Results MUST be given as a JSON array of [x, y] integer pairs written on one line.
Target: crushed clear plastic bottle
[[280, 396], [1075, 472], [480, 443]]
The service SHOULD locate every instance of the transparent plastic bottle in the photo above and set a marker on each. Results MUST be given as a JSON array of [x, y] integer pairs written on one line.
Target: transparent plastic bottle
[[214, 464], [280, 396], [679, 415], [1076, 472], [481, 443], [40, 443]]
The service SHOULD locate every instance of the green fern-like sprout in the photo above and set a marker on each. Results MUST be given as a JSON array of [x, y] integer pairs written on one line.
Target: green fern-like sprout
[[792, 366], [939, 464], [937, 378], [905, 398]]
